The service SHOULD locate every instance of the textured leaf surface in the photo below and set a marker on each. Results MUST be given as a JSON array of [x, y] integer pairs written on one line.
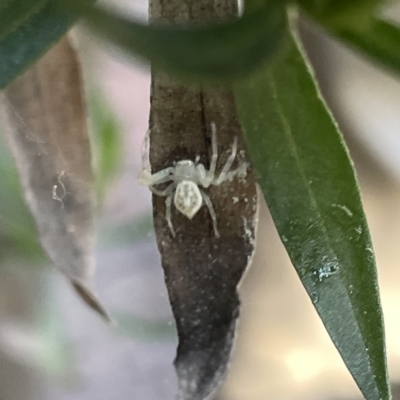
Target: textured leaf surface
[[219, 51], [45, 122], [202, 271], [308, 181], [28, 28]]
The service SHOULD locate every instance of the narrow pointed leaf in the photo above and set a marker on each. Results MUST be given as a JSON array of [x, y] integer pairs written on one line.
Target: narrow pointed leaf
[[378, 40], [44, 117], [341, 12], [308, 181], [219, 51], [28, 28], [355, 24]]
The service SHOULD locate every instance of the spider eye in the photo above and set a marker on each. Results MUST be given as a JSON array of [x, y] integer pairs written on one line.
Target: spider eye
[[188, 199]]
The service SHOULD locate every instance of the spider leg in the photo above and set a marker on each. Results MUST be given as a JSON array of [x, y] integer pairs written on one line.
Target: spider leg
[[203, 176], [168, 203], [162, 193], [223, 175], [168, 192], [145, 150], [211, 210], [214, 157], [148, 179], [206, 177], [240, 171]]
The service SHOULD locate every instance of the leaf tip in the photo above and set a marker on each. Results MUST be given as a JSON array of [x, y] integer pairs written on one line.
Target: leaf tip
[[92, 301]]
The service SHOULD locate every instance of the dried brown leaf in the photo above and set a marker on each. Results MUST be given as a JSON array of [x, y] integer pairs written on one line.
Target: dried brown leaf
[[202, 271], [44, 116]]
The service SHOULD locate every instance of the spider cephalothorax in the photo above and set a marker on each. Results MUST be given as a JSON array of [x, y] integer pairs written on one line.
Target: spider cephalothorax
[[188, 178]]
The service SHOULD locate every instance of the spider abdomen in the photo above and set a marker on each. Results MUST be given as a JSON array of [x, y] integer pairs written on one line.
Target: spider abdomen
[[188, 198]]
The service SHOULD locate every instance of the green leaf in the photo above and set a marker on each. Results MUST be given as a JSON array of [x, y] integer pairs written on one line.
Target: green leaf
[[15, 12], [378, 39], [28, 31], [218, 51], [355, 24], [307, 178], [54, 352], [129, 232], [51, 147], [107, 143], [341, 13], [145, 330], [18, 237]]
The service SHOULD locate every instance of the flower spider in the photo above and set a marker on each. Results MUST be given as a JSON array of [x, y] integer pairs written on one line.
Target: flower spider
[[188, 179]]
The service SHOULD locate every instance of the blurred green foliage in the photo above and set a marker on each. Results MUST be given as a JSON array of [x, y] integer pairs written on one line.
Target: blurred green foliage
[[144, 329], [28, 28], [18, 237], [106, 142]]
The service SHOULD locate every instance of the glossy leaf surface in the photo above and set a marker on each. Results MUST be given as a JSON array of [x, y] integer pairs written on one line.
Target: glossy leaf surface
[[28, 28], [307, 178], [218, 51]]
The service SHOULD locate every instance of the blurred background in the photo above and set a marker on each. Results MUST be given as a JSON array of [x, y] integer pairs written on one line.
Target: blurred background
[[53, 347]]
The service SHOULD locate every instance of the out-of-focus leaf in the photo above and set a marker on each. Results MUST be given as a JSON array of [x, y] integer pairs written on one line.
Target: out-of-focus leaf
[[341, 12], [41, 344], [378, 39], [107, 144], [143, 329], [355, 24], [15, 12], [127, 233], [55, 354], [18, 237], [219, 51], [28, 28], [308, 181], [45, 122]]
